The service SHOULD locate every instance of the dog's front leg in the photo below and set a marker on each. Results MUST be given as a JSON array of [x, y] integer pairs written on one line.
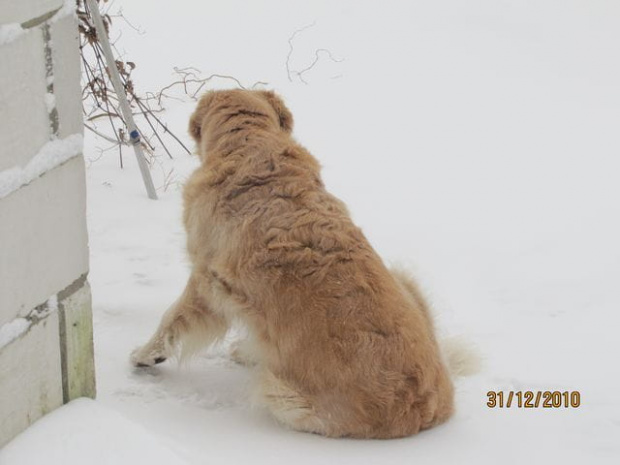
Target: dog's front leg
[[188, 325]]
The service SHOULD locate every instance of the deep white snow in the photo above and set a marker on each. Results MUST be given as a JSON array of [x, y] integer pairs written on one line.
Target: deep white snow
[[85, 431], [475, 142]]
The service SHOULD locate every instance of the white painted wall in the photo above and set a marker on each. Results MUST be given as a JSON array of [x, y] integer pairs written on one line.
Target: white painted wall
[[45, 312]]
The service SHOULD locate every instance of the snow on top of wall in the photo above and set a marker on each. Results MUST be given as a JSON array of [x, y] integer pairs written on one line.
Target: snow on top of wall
[[50, 102], [68, 8], [10, 32], [19, 326], [52, 304], [51, 155], [12, 330]]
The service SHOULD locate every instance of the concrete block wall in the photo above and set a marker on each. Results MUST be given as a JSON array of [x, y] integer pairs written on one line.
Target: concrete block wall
[[46, 347]]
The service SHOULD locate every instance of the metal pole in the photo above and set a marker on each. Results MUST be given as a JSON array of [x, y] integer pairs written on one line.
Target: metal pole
[[134, 134]]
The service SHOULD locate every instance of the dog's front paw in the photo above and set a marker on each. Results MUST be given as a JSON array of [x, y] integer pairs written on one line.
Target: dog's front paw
[[144, 357]]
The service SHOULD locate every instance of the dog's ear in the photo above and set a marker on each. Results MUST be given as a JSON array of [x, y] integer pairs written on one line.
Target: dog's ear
[[284, 114], [197, 118]]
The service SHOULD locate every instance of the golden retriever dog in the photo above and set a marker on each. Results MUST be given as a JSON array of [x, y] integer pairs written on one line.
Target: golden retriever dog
[[342, 346]]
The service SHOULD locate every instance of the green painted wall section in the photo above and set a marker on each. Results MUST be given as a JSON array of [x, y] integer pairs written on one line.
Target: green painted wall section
[[76, 339]]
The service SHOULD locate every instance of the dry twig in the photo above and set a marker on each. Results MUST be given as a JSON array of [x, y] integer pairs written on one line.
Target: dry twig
[[317, 54]]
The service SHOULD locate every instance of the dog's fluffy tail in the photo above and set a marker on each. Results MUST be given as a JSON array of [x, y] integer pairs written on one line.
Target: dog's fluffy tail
[[461, 356]]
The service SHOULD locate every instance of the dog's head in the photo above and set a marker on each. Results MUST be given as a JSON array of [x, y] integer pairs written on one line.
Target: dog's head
[[225, 111]]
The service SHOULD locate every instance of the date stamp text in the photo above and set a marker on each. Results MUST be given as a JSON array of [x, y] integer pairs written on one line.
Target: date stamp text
[[533, 399]]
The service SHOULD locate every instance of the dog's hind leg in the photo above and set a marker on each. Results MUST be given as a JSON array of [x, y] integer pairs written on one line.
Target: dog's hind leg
[[287, 405], [188, 325], [245, 351]]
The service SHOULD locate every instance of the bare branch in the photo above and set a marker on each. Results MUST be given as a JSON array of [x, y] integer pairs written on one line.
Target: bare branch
[[191, 84], [290, 47], [290, 72], [104, 137], [315, 61]]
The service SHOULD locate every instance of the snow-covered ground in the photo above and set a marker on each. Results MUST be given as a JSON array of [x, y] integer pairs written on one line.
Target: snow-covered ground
[[489, 127]]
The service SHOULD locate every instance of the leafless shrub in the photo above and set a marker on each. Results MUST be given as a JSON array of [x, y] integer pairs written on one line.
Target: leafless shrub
[[100, 103]]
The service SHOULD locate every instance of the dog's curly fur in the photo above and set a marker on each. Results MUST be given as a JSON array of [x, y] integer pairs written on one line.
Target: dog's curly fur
[[343, 346]]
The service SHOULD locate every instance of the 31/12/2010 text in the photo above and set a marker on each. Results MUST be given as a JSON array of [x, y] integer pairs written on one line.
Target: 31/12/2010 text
[[534, 399]]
